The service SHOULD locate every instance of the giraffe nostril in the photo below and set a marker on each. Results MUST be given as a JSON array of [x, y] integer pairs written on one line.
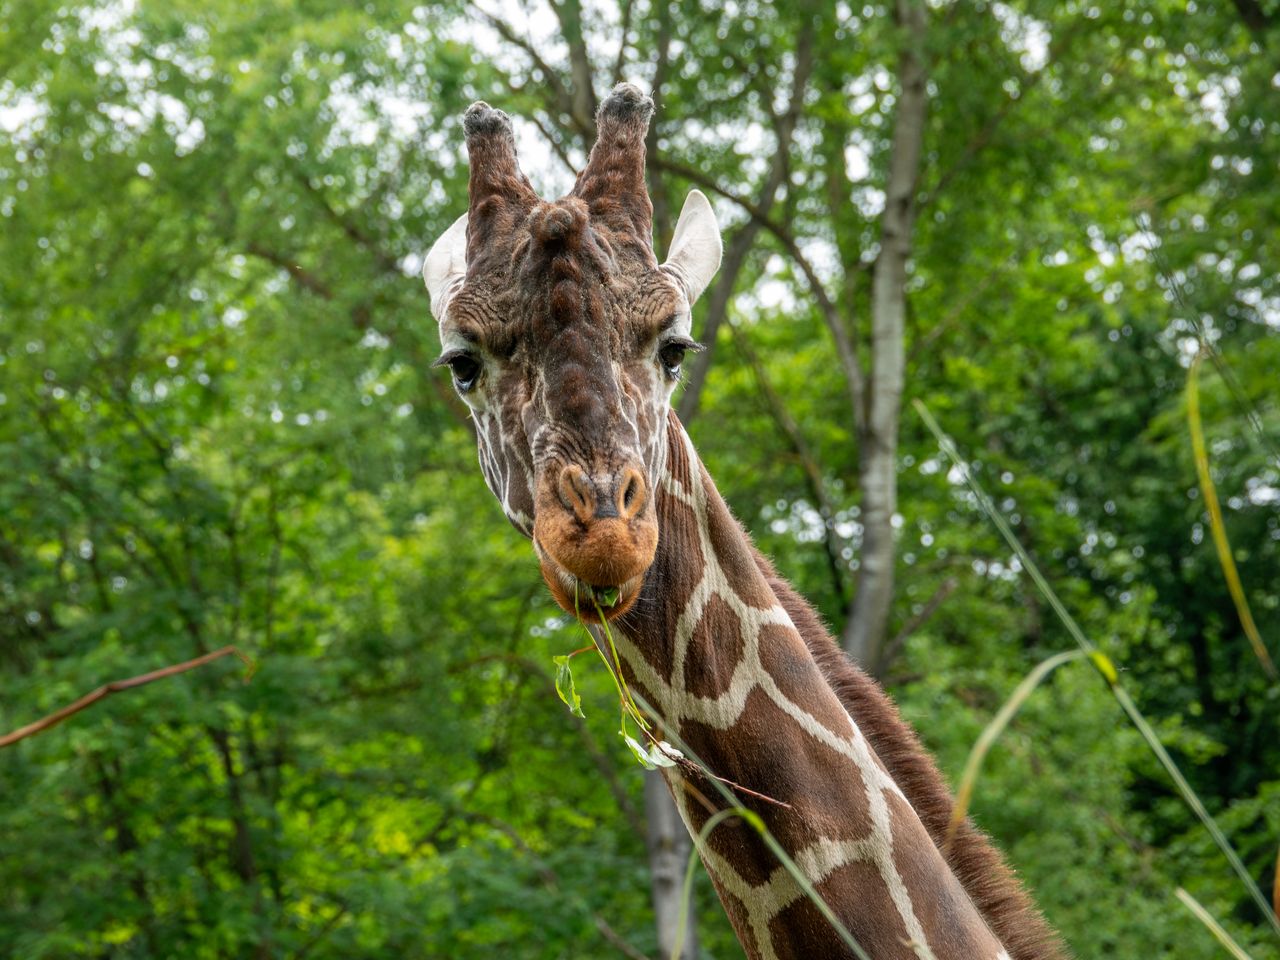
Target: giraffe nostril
[[631, 496], [576, 493]]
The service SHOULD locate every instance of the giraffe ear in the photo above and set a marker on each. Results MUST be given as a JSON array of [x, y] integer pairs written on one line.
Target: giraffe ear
[[695, 251], [446, 266]]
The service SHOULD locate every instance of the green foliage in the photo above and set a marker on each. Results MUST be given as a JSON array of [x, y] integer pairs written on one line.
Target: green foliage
[[218, 425], [564, 686]]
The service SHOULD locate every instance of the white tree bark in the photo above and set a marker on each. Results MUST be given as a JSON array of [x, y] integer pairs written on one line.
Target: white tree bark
[[864, 632], [669, 847]]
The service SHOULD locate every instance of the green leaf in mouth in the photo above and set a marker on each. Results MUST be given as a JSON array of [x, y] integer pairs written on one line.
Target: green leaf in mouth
[[608, 596]]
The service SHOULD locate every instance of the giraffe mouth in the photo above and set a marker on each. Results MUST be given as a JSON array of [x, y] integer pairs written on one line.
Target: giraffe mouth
[[587, 601]]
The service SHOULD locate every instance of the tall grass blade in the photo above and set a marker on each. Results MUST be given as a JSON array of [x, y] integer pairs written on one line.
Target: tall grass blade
[[1220, 542], [686, 895], [1106, 669], [964, 794], [1205, 917]]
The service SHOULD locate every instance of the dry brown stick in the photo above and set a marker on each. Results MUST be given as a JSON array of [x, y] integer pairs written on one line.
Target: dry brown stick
[[689, 765], [115, 686], [699, 770]]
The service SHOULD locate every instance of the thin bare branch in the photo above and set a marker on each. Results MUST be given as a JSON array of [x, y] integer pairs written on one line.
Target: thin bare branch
[[582, 94], [386, 261], [845, 348], [323, 931], [304, 278], [958, 308], [628, 8], [986, 134], [658, 192], [743, 240], [555, 145], [945, 589], [548, 74], [804, 455], [116, 686]]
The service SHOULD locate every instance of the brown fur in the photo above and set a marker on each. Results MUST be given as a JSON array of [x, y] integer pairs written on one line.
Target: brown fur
[[988, 880]]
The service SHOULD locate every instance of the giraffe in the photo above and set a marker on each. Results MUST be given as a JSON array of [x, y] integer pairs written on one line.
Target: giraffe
[[565, 338]]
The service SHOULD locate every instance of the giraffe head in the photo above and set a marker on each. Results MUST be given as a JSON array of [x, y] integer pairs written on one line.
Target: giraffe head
[[565, 337]]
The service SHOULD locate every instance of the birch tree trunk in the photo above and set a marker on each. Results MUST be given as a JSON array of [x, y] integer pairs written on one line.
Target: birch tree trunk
[[669, 846], [864, 632]]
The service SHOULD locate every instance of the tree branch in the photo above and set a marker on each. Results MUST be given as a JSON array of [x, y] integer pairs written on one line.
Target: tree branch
[[550, 76], [582, 94], [628, 7], [1255, 18], [744, 239], [945, 589], [556, 147], [800, 447], [116, 686], [658, 192], [304, 278], [387, 262], [845, 348], [986, 134], [324, 930], [943, 326]]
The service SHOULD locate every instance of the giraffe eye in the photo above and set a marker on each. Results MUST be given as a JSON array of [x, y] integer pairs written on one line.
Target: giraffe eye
[[465, 367], [671, 354]]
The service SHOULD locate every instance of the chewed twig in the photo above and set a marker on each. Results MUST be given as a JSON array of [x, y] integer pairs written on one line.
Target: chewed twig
[[687, 764]]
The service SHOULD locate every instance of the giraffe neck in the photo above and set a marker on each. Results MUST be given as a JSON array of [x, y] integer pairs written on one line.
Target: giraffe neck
[[712, 649]]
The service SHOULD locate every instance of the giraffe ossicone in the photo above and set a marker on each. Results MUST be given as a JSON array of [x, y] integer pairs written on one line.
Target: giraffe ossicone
[[565, 338]]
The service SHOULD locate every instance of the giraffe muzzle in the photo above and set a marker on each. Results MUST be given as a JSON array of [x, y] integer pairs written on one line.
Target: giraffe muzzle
[[596, 537]]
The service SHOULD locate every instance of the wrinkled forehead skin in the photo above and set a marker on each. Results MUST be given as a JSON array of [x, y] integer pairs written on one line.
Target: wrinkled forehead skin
[[567, 310], [556, 288], [566, 325]]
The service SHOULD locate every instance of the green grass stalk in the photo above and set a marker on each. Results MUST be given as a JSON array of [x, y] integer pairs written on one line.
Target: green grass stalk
[[1205, 917], [1223, 546], [964, 794], [1104, 666]]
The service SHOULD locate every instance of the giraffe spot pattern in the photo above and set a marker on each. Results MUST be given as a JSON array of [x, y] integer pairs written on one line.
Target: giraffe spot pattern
[[763, 698], [786, 658], [801, 932], [719, 633]]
